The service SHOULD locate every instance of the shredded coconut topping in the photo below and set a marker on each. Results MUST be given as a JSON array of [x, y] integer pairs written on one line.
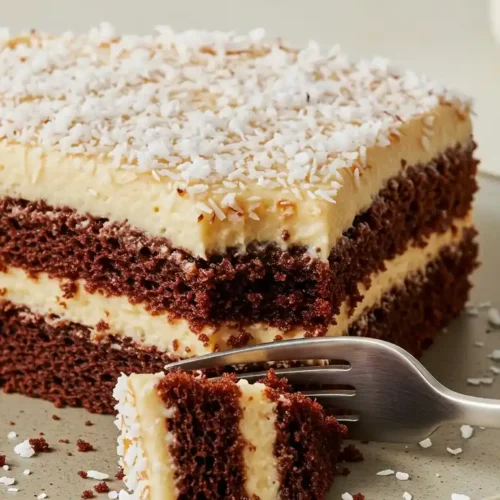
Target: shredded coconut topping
[[132, 457], [209, 110]]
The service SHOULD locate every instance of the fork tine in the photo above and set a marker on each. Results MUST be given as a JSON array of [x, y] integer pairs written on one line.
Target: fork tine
[[305, 375], [345, 348]]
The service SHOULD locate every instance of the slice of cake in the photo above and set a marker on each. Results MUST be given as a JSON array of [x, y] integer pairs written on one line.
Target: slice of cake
[[184, 437], [171, 195]]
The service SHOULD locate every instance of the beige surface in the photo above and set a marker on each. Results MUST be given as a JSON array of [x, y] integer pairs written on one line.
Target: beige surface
[[452, 359], [448, 39]]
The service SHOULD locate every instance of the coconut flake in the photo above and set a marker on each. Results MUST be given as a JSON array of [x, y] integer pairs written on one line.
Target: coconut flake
[[426, 443], [385, 472], [11, 435], [407, 496], [7, 481], [24, 449], [347, 496], [402, 476], [100, 476], [494, 317], [466, 431], [454, 451], [459, 496]]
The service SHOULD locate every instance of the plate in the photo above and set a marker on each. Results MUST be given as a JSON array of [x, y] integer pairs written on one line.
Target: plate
[[434, 473]]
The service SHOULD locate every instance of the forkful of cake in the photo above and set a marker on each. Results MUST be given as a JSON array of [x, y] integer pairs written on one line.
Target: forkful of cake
[[381, 391]]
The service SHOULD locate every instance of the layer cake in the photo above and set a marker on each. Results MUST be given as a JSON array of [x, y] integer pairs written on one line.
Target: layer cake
[[170, 195], [183, 437]]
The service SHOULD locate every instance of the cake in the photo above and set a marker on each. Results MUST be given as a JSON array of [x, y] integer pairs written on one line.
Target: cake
[[172, 195], [185, 437]]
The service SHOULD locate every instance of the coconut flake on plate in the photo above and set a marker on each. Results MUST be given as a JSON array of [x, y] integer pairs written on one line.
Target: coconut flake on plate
[[426, 443], [494, 317], [466, 431], [385, 472]]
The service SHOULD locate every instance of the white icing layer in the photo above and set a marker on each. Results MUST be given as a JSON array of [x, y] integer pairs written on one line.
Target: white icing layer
[[143, 442], [87, 184], [257, 427]]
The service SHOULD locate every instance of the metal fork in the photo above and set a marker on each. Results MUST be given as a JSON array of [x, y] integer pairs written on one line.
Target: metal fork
[[390, 396]]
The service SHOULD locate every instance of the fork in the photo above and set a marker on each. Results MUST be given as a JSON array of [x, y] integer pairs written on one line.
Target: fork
[[389, 395]]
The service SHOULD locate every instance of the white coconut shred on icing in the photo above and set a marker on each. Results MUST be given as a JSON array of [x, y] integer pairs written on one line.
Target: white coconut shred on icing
[[208, 111]]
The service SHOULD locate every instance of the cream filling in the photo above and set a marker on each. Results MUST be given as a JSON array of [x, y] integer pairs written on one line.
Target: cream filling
[[43, 295], [89, 184], [144, 439], [257, 427]]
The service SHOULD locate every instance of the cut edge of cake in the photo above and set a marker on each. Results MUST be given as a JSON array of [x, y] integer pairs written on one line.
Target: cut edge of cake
[[260, 451]]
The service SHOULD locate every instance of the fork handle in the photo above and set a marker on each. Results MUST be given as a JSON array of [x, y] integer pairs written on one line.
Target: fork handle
[[481, 412]]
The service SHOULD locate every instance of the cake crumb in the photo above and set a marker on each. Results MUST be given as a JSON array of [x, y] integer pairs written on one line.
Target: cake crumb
[[7, 481], [88, 423], [40, 445], [113, 495], [13, 490], [88, 494], [459, 496], [358, 496], [407, 496], [347, 496], [120, 475], [11, 435], [351, 454], [83, 446], [26, 472], [5, 467], [101, 488], [55, 417], [402, 476], [64, 441], [2, 460], [82, 474], [495, 370], [42, 495]]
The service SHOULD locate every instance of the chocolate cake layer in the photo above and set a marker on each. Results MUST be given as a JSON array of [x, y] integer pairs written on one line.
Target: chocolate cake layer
[[307, 443], [208, 462], [42, 359], [268, 284]]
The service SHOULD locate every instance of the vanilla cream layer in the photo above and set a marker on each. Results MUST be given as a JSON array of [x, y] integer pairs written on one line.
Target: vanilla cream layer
[[89, 184], [144, 439], [43, 295], [258, 429]]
